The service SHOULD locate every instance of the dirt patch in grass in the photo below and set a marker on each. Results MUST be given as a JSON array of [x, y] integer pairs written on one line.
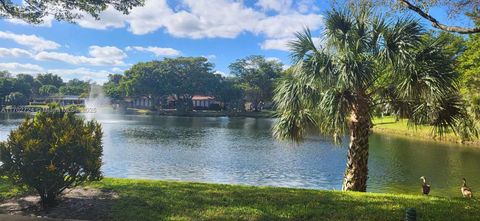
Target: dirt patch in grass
[[77, 203]]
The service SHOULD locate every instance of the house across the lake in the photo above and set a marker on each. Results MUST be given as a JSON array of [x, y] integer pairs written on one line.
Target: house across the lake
[[61, 100], [201, 102], [141, 102]]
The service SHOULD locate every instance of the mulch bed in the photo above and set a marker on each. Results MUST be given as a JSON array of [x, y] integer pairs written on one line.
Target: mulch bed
[[77, 203]]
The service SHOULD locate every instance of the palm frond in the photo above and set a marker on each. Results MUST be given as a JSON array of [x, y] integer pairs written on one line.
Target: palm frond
[[334, 107], [428, 75], [338, 27], [443, 114], [398, 41], [302, 46], [293, 99]]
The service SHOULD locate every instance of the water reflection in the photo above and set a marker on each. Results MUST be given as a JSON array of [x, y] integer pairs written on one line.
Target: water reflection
[[242, 151]]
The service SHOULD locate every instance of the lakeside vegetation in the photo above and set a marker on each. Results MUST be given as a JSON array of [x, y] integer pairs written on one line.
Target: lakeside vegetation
[[168, 200], [391, 126]]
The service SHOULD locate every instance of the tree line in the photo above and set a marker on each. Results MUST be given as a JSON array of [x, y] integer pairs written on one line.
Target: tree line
[[21, 88], [251, 80]]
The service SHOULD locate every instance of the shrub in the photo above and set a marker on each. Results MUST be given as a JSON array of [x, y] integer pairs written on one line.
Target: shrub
[[51, 152]]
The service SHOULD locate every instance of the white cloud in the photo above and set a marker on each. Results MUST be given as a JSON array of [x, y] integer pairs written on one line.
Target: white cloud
[[274, 59], [111, 18], [33, 41], [99, 56], [47, 21], [276, 44], [275, 5], [99, 76], [117, 70], [209, 19], [14, 52], [210, 56], [282, 43], [305, 6], [21, 68], [286, 25], [155, 50], [222, 73]]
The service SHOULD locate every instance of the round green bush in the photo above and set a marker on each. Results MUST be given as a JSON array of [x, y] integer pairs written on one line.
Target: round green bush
[[51, 152]]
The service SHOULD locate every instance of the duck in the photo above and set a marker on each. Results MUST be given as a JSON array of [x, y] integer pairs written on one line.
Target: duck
[[425, 186], [466, 191]]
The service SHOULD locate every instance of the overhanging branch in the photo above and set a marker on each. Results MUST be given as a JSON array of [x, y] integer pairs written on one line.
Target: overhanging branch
[[436, 23]]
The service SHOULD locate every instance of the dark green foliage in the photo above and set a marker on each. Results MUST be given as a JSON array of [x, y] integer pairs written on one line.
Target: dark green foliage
[[64, 10], [16, 98], [6, 86], [231, 93], [469, 69], [256, 77], [75, 87], [112, 87], [50, 79], [43, 85], [51, 152], [180, 77], [47, 90]]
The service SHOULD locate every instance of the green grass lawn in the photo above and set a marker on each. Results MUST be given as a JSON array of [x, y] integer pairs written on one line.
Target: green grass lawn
[[166, 200], [388, 125]]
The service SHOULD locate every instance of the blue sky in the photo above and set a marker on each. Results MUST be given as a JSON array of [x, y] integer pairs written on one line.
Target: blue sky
[[221, 30]]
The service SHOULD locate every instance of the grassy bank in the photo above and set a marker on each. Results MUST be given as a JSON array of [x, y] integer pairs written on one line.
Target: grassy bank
[[165, 200], [388, 125]]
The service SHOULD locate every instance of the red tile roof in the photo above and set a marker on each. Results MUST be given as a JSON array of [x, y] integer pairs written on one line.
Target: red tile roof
[[201, 97]]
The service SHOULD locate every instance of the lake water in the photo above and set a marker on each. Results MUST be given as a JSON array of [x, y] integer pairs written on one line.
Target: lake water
[[242, 151]]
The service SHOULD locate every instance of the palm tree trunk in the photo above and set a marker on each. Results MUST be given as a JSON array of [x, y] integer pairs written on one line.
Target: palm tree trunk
[[356, 174]]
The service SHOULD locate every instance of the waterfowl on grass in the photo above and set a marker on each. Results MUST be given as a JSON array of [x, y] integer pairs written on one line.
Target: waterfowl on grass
[[425, 186], [466, 191]]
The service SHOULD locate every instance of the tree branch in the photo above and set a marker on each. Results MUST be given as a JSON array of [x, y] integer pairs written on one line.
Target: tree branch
[[7, 8], [436, 23]]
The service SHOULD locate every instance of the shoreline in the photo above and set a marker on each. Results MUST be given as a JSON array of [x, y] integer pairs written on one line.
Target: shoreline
[[262, 114], [389, 126], [409, 135]]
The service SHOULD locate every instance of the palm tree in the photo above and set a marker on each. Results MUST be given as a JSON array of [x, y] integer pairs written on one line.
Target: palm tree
[[366, 61]]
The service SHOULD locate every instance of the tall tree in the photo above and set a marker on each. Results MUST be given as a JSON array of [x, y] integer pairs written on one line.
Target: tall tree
[[50, 79], [257, 75], [6, 86], [63, 10], [335, 88], [27, 83], [75, 87], [182, 76], [48, 90], [231, 94], [469, 68], [112, 86]]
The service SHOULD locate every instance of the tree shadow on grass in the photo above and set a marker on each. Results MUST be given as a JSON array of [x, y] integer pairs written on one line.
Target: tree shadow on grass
[[78, 203]]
